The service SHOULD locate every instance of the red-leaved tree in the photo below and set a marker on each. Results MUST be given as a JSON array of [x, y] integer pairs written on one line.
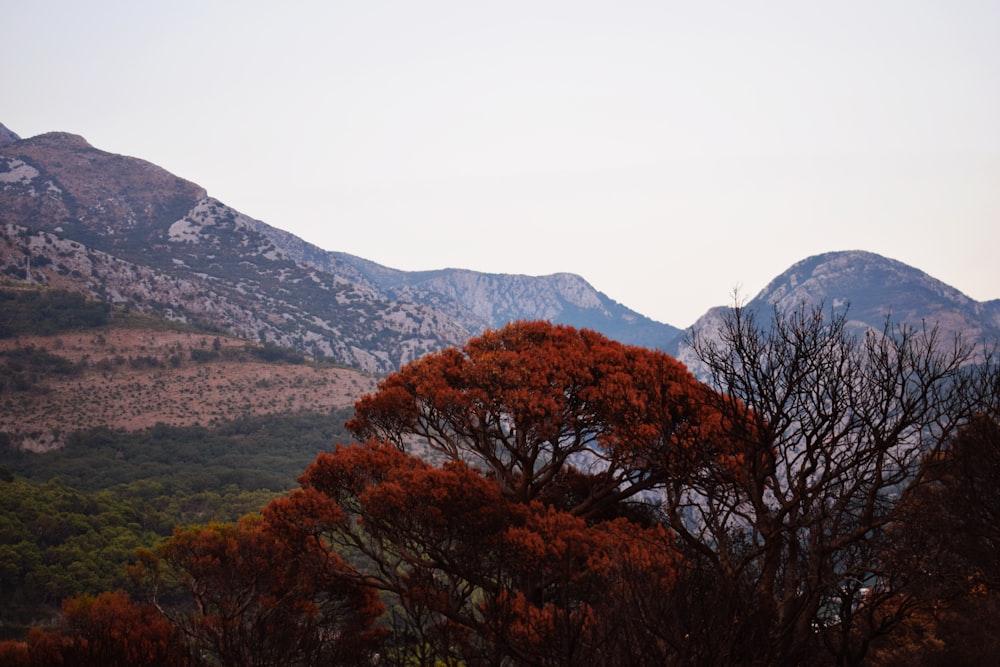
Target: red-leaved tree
[[266, 592], [535, 406], [109, 629], [538, 534]]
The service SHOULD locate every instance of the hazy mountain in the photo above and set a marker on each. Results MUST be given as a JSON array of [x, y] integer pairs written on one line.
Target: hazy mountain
[[124, 230], [487, 299], [872, 288]]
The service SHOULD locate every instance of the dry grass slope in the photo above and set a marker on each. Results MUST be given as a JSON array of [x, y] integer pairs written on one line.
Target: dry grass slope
[[135, 378]]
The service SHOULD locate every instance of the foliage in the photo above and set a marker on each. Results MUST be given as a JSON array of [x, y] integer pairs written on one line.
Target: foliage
[[946, 535], [477, 576], [538, 406], [253, 452], [832, 501], [44, 312], [273, 353], [265, 592], [529, 543], [72, 519], [56, 542], [22, 368], [108, 630]]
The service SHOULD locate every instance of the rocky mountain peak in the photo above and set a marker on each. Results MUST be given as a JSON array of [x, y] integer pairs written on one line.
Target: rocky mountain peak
[[854, 275], [872, 289], [65, 183], [60, 140]]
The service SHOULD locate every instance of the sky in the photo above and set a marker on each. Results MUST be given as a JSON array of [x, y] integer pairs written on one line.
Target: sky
[[671, 153]]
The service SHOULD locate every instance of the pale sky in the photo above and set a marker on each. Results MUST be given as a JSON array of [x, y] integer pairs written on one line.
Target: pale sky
[[668, 152]]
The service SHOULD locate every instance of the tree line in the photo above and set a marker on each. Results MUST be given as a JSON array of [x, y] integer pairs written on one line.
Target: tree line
[[823, 496]]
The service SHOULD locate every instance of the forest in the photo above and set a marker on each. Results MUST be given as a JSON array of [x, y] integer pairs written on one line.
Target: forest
[[816, 495]]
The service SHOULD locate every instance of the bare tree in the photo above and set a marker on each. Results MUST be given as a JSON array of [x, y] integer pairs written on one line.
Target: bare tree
[[832, 422]]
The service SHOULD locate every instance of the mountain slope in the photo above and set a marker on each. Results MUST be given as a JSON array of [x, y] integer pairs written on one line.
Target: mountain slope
[[121, 229], [488, 299], [872, 288], [67, 364], [6, 136]]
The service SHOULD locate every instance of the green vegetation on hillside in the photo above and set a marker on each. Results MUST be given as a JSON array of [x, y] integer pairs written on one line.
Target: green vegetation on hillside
[[22, 368], [266, 452], [72, 519], [56, 541], [44, 312]]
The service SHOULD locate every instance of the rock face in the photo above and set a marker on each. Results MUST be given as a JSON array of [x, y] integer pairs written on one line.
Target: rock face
[[872, 288], [124, 230]]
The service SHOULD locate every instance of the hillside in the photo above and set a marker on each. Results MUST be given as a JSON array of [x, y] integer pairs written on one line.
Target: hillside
[[131, 377]]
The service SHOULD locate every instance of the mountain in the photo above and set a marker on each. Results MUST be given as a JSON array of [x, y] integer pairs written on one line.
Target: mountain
[[123, 230], [486, 300], [872, 288]]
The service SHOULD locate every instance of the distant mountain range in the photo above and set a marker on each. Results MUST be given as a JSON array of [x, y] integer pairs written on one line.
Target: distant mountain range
[[123, 230]]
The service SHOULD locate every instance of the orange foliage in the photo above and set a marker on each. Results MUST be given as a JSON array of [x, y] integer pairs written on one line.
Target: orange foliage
[[572, 582], [526, 402], [530, 538], [267, 592], [109, 630], [496, 577], [14, 653]]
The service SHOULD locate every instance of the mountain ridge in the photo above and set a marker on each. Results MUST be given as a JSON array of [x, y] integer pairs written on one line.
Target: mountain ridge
[[493, 299], [124, 230], [146, 236]]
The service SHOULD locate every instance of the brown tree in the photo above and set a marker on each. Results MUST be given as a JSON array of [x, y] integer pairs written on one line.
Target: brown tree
[[109, 629], [478, 577], [538, 534]]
